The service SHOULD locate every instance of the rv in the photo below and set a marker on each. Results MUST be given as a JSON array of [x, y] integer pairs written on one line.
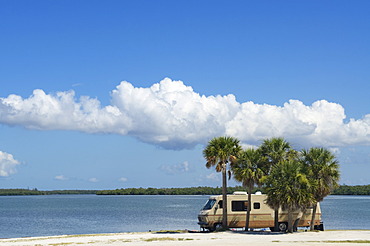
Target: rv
[[261, 216]]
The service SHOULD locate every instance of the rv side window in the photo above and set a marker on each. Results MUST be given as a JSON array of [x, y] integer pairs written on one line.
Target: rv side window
[[239, 205], [256, 205], [209, 204]]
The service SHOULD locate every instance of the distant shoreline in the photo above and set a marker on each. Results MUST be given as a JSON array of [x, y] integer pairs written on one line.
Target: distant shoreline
[[342, 237], [201, 190]]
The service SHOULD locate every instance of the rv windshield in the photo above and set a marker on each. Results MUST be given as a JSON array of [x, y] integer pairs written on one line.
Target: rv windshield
[[209, 204]]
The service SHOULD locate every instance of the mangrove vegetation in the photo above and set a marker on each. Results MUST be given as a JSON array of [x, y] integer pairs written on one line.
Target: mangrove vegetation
[[201, 190]]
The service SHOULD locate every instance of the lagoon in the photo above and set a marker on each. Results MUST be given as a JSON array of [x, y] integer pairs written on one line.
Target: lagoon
[[25, 216]]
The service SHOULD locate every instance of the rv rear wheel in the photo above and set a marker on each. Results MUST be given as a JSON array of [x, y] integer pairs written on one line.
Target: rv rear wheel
[[282, 227], [319, 227]]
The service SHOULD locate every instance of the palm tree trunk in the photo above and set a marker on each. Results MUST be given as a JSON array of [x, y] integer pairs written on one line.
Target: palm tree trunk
[[290, 221], [224, 198], [312, 226], [296, 222], [248, 208], [276, 219]]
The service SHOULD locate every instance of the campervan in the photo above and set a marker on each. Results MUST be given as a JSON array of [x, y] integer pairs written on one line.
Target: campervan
[[261, 215]]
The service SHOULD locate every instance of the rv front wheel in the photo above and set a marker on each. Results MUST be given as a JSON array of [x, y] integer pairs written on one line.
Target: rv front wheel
[[282, 227]]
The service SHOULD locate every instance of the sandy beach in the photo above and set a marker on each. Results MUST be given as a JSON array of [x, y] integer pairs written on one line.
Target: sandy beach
[[347, 237]]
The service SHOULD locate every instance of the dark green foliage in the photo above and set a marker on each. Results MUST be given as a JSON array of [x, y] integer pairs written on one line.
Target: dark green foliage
[[201, 190], [27, 192], [352, 190]]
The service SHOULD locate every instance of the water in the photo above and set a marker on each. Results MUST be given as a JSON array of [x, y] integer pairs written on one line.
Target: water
[[24, 216], [346, 212]]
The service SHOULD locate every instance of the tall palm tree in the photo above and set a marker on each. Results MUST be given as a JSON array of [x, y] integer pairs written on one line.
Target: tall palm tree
[[289, 187], [219, 152], [322, 168], [247, 170], [276, 150]]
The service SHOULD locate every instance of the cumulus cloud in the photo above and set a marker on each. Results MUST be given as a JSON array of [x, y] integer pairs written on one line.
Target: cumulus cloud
[[60, 177], [123, 179], [172, 115], [175, 169], [93, 180], [213, 176], [248, 146], [7, 164], [61, 111], [335, 151]]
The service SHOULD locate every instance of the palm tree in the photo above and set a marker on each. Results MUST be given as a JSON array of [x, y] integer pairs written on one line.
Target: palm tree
[[219, 152], [247, 170], [322, 168], [276, 150], [288, 187]]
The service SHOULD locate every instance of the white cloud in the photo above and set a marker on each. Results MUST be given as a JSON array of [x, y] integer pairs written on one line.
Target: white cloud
[[248, 146], [7, 164], [335, 151], [93, 180], [61, 111], [170, 114], [60, 177], [213, 176], [123, 179], [175, 169]]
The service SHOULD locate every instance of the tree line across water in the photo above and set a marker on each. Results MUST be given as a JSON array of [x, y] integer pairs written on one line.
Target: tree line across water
[[201, 190], [31, 192]]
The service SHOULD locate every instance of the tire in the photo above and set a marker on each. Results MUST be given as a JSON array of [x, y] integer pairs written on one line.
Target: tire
[[272, 229], [319, 227], [283, 227], [217, 227]]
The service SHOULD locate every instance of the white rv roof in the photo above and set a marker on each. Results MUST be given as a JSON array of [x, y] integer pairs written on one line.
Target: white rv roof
[[240, 193]]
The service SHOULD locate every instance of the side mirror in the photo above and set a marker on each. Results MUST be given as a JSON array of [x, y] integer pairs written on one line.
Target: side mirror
[[216, 207]]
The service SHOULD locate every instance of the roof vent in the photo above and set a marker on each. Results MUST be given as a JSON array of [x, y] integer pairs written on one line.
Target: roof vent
[[240, 193], [258, 193]]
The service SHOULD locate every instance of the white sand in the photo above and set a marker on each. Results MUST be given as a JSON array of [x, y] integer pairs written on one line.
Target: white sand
[[327, 238]]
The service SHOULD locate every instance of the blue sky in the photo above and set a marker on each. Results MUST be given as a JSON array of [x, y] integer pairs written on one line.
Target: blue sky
[[111, 94]]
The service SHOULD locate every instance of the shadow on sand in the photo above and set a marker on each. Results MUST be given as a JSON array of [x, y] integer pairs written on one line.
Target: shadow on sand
[[257, 232]]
